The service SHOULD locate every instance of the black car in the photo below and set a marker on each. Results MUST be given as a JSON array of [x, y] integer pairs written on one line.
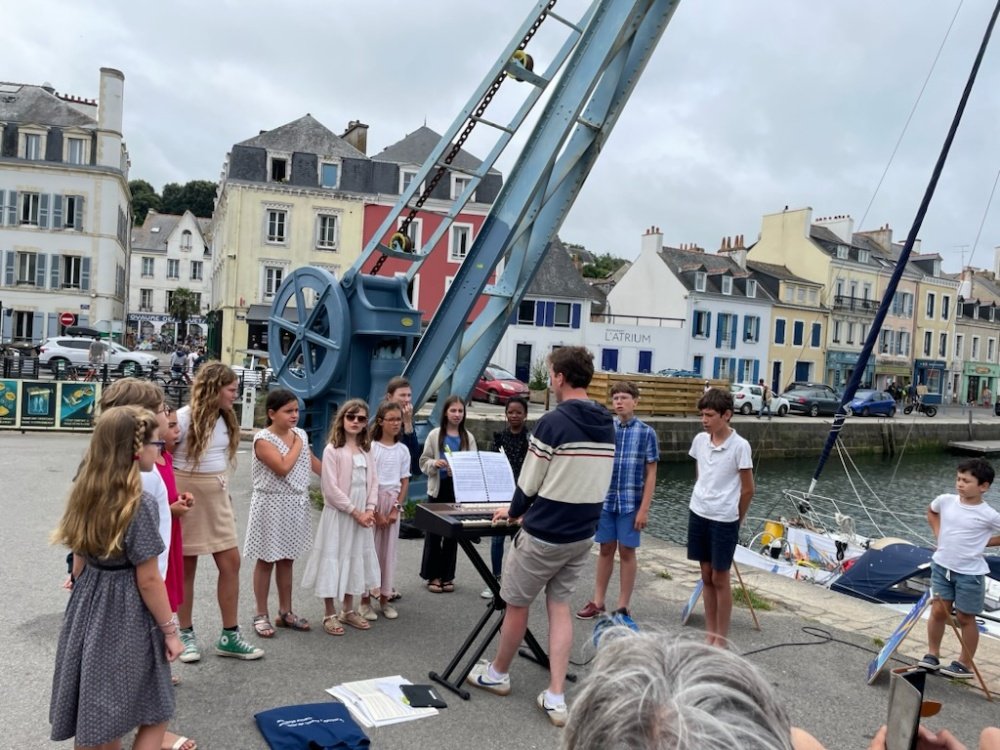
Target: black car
[[800, 385], [812, 401]]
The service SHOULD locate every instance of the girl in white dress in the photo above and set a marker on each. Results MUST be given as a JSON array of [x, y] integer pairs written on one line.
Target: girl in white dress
[[279, 529], [343, 562]]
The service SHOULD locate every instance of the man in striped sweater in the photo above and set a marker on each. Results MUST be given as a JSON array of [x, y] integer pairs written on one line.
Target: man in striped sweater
[[558, 502]]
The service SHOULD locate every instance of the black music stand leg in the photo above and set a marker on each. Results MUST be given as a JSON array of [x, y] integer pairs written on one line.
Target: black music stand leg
[[445, 679]]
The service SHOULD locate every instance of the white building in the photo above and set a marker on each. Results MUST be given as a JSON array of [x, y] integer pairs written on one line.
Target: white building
[[169, 252], [64, 209]]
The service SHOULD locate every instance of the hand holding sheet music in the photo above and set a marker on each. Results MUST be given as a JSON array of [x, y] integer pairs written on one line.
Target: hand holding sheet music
[[481, 477]]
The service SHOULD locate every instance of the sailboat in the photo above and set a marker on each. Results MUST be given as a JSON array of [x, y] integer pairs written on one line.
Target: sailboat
[[819, 541]]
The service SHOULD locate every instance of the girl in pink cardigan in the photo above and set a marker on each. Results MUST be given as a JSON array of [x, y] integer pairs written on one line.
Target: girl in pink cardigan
[[343, 562]]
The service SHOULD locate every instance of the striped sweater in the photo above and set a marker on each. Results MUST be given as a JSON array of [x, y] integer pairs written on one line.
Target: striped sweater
[[567, 473]]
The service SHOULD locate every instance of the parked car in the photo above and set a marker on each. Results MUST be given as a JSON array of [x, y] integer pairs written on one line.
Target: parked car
[[75, 350], [671, 373], [867, 403], [798, 385], [497, 385], [812, 401], [749, 398]]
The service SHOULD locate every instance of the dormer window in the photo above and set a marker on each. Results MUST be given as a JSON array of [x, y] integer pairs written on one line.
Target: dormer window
[[842, 252], [862, 256], [699, 281], [329, 175], [727, 284], [751, 288], [406, 177], [277, 169], [186, 240], [32, 143]]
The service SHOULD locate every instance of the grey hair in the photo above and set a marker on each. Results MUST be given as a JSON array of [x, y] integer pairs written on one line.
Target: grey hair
[[651, 691]]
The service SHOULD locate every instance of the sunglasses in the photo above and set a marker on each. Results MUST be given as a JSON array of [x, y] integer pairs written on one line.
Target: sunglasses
[[355, 417]]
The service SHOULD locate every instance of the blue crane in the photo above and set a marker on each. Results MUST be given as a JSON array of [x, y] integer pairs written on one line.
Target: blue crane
[[329, 340]]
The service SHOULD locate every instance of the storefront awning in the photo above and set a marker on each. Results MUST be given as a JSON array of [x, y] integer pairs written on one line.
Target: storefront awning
[[892, 369], [260, 314]]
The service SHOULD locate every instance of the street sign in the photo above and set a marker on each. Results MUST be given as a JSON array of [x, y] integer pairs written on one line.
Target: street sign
[[67, 318]]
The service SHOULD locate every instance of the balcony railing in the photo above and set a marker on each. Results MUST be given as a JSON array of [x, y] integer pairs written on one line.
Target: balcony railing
[[856, 304]]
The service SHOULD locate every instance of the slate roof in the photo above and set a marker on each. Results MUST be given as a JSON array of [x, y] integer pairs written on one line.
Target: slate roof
[[769, 277], [686, 263], [417, 146], [829, 241], [25, 103], [153, 234], [306, 135], [558, 277]]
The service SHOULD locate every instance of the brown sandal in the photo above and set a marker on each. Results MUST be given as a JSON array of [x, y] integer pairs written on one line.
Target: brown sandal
[[434, 587], [352, 618], [331, 626], [291, 620]]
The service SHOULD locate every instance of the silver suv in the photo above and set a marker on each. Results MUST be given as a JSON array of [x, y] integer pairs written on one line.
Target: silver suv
[[75, 350]]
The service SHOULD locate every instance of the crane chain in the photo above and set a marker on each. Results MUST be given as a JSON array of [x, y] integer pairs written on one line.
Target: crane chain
[[463, 136]]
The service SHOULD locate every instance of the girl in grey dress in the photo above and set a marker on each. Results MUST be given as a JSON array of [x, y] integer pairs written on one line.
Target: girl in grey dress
[[111, 671]]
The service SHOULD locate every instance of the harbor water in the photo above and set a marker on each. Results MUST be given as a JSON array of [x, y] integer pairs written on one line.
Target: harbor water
[[906, 485]]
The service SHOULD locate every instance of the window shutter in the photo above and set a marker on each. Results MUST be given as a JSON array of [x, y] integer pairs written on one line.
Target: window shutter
[[37, 326], [694, 323], [85, 274], [539, 313], [708, 324], [43, 211], [53, 325], [747, 333], [40, 270], [11, 208], [575, 320], [716, 365], [718, 334], [550, 314], [732, 330], [756, 370], [3, 206], [78, 218], [53, 271], [57, 212], [513, 318], [732, 368], [9, 268]]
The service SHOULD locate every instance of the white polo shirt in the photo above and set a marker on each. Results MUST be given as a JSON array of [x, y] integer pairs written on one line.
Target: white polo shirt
[[716, 494], [963, 534]]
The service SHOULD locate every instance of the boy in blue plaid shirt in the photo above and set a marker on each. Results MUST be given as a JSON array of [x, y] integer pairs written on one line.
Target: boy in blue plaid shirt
[[626, 507]]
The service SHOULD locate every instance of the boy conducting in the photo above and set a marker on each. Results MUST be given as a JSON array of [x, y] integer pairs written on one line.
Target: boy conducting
[[626, 506], [964, 525], [722, 494]]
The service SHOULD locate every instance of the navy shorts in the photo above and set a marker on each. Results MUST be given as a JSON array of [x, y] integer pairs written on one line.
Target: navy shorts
[[712, 541]]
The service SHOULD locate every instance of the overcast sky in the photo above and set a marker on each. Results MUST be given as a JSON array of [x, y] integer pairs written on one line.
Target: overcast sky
[[746, 106]]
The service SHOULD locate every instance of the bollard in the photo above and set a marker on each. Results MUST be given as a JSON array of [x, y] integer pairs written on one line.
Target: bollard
[[249, 403]]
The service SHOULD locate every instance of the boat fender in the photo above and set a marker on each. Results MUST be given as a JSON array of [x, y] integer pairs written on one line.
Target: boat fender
[[841, 548]]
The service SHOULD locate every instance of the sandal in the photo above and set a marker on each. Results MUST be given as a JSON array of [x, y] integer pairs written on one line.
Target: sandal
[[448, 586], [180, 742], [262, 626], [434, 587], [291, 620], [355, 620], [331, 626]]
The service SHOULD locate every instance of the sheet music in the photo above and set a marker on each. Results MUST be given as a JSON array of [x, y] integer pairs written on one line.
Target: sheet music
[[371, 704], [481, 477]]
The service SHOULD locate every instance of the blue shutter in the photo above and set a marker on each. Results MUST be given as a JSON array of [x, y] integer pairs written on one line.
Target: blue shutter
[[40, 270], [718, 334], [817, 334], [11, 208], [779, 331], [756, 370], [575, 315], [57, 212], [78, 218], [716, 365], [9, 268], [732, 368], [53, 271], [694, 323], [85, 274], [513, 319], [550, 314], [645, 361], [747, 332], [738, 372], [708, 325], [609, 360], [732, 330], [37, 326], [53, 325], [756, 331], [43, 211], [539, 312]]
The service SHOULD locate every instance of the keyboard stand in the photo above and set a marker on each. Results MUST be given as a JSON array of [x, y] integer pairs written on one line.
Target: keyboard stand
[[490, 622]]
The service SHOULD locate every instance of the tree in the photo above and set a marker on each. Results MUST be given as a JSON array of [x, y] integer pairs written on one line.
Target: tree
[[144, 197], [602, 267], [183, 305], [196, 196]]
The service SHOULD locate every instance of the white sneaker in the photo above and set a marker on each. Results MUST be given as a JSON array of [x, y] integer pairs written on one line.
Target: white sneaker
[[486, 593], [367, 612], [480, 678], [557, 714]]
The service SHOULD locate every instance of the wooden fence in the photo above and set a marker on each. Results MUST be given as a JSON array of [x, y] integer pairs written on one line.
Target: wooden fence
[[659, 396]]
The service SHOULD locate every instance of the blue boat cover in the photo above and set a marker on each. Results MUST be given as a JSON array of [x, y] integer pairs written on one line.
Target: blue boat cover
[[875, 573]]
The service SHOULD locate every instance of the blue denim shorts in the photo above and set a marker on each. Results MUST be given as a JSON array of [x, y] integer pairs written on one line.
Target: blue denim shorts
[[617, 527], [967, 591], [712, 541]]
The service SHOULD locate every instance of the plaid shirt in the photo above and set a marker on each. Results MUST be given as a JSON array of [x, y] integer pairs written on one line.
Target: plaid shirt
[[635, 447]]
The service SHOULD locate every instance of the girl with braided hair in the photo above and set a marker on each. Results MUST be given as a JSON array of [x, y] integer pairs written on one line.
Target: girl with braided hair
[[118, 634], [203, 460]]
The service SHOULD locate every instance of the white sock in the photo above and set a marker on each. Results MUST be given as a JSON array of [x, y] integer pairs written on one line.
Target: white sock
[[493, 674], [554, 699]]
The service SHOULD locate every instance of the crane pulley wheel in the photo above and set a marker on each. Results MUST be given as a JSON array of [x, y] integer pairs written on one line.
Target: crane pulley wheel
[[401, 242]]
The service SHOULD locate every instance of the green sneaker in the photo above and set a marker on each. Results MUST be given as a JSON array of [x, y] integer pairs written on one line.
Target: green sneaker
[[231, 643], [191, 651]]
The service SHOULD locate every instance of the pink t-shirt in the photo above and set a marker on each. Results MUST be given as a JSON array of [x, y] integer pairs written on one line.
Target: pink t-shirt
[[174, 578]]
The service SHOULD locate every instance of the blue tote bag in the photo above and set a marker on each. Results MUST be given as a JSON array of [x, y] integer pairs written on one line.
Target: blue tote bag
[[312, 726]]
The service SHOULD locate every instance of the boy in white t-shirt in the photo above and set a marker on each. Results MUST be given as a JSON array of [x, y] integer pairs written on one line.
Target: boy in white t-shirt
[[964, 525], [722, 494]]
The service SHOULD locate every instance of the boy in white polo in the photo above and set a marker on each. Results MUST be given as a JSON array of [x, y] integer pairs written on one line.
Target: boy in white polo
[[964, 525], [722, 494]]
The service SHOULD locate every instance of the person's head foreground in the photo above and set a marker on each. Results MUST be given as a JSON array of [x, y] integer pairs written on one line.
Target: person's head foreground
[[651, 691]]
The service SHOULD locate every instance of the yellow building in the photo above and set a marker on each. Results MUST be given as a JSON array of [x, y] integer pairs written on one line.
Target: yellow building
[[934, 327], [290, 197]]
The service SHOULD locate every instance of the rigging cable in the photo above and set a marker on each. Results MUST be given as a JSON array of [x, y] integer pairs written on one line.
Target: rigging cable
[[986, 212]]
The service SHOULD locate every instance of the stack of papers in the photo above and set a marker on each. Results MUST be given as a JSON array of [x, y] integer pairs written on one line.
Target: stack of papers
[[378, 702]]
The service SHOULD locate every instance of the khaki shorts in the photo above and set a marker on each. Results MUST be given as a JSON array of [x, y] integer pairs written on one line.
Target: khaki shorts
[[533, 565]]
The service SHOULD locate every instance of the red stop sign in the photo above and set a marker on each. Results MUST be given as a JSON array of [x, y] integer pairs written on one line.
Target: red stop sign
[[67, 318]]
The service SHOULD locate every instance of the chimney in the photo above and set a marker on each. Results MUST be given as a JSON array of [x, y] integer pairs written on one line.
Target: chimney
[[652, 241], [109, 119], [881, 236], [733, 248], [357, 135], [841, 225]]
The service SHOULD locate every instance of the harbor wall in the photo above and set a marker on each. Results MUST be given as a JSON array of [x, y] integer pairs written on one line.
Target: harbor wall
[[804, 437]]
